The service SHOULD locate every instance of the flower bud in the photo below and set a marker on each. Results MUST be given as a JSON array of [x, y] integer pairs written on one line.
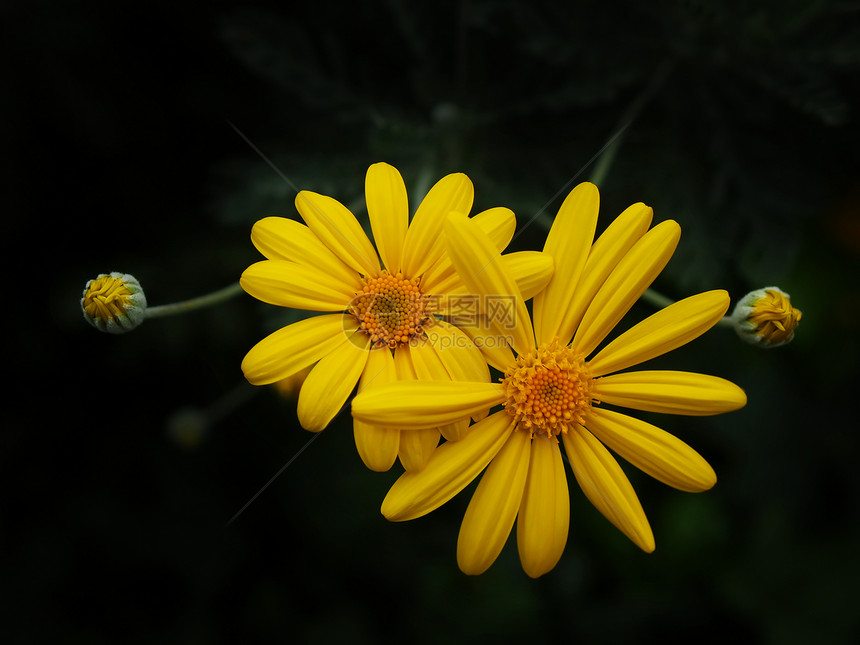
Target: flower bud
[[765, 317], [114, 302]]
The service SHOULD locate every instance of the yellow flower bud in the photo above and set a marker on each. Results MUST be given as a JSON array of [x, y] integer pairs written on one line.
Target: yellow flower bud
[[114, 302], [765, 317]]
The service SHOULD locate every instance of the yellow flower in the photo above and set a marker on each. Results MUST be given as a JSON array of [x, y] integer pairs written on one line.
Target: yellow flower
[[551, 389], [391, 315], [765, 317]]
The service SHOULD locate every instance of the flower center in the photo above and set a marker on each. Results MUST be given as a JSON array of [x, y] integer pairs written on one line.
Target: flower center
[[391, 309], [548, 389], [106, 298]]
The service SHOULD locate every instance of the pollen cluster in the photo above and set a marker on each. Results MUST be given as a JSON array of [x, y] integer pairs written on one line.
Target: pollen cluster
[[391, 309], [548, 389]]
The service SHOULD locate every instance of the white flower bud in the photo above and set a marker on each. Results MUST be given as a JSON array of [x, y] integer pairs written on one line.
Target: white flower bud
[[114, 302], [765, 317]]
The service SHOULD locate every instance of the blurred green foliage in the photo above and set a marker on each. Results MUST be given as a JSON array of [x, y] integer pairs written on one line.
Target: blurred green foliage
[[148, 139]]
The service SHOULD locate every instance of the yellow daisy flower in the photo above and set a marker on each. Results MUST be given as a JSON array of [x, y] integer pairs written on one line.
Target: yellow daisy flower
[[551, 389], [391, 307]]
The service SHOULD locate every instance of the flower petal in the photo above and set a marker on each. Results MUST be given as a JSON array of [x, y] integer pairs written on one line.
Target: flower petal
[[429, 367], [498, 223], [416, 448], [544, 518], [636, 270], [423, 245], [337, 228], [652, 450], [279, 238], [493, 509], [460, 356], [494, 349], [668, 329], [288, 284], [453, 466], [670, 392], [531, 270], [424, 404], [388, 210], [482, 270], [330, 383], [458, 353], [294, 347], [568, 242], [607, 487], [377, 445], [618, 238]]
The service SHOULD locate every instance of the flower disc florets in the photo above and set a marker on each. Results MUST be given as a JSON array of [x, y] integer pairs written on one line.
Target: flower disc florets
[[391, 309], [548, 389]]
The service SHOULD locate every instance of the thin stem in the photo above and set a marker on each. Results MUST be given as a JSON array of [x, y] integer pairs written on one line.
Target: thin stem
[[195, 303], [655, 298]]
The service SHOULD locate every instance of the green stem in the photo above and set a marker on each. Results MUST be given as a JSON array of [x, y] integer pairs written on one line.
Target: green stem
[[195, 303]]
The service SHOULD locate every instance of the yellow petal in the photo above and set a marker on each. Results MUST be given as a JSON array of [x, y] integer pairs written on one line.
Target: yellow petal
[[424, 404], [498, 223], [544, 518], [423, 245], [279, 238], [607, 487], [338, 229], [618, 238], [429, 367], [416, 448], [531, 270], [294, 347], [458, 353], [483, 272], [494, 349], [330, 383], [625, 284], [652, 450], [453, 466], [288, 284], [461, 358], [668, 329], [493, 508], [670, 392], [377, 445], [388, 210], [567, 243]]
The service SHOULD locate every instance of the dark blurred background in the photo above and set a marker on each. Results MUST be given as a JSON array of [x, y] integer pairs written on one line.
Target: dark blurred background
[[148, 137]]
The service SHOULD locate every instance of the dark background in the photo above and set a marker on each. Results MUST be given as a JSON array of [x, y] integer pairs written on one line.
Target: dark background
[[126, 131]]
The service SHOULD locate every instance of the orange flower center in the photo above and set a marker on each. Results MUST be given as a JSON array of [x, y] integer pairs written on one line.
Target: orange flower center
[[548, 389], [391, 309]]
